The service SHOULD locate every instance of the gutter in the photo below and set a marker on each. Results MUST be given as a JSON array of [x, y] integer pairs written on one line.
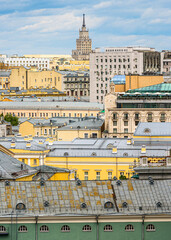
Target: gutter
[[97, 227], [142, 227]]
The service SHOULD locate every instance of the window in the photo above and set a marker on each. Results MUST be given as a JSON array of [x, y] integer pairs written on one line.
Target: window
[[108, 228], [108, 205], [2, 229], [114, 130], [125, 130], [54, 131], [85, 135], [125, 123], [45, 131], [22, 229], [114, 123], [109, 175], [86, 228], [125, 116], [44, 228], [129, 228], [35, 161], [144, 161], [94, 135], [50, 131], [149, 117], [65, 228], [97, 175], [20, 206], [150, 228], [85, 175], [23, 160]]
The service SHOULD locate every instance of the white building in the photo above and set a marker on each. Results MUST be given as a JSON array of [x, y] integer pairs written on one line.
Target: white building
[[41, 63], [116, 60]]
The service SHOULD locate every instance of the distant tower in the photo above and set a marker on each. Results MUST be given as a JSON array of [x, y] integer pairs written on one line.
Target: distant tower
[[83, 44]]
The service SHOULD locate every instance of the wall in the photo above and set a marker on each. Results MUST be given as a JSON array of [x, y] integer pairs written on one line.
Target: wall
[[142, 81]]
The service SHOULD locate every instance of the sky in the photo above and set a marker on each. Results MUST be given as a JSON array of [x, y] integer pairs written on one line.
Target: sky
[[52, 26]]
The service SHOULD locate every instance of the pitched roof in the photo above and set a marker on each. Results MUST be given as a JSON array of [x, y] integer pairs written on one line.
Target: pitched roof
[[162, 87], [153, 129]]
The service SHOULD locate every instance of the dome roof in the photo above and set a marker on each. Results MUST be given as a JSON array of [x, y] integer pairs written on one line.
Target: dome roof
[[118, 79]]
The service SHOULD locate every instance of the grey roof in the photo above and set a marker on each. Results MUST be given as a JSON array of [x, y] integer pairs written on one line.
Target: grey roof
[[153, 129], [5, 73], [66, 197], [52, 105], [9, 166]]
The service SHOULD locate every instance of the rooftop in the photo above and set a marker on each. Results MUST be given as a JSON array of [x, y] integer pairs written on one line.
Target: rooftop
[[153, 129], [127, 197]]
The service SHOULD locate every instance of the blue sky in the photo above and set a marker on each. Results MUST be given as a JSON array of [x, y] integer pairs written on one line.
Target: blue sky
[[51, 26]]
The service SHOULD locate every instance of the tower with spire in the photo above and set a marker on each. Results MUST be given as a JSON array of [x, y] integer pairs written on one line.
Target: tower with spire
[[83, 44]]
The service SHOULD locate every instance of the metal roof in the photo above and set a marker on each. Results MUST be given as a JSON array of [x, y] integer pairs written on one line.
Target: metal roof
[[130, 197], [153, 129], [162, 87]]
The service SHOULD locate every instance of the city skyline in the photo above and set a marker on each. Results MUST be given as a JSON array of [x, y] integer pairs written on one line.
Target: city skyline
[[34, 27]]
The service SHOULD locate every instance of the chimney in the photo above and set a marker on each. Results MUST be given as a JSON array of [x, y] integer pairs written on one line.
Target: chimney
[[128, 141], [13, 144], [143, 149], [114, 150], [28, 144]]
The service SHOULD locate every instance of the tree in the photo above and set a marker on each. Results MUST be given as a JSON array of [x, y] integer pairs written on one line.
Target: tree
[[12, 119]]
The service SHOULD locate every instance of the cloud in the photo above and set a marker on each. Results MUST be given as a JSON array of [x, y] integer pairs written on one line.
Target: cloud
[[104, 4]]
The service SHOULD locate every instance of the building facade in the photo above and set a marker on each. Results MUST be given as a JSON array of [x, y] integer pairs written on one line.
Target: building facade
[[40, 63], [5, 79], [124, 111], [77, 84], [121, 61], [26, 78], [83, 44], [166, 62], [51, 109]]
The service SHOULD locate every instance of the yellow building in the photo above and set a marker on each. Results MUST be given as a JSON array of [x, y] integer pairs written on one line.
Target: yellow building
[[12, 169], [26, 78], [74, 65], [50, 109], [135, 81], [62, 129], [4, 80]]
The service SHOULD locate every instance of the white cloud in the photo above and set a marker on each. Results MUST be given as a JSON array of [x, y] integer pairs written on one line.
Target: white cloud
[[104, 4]]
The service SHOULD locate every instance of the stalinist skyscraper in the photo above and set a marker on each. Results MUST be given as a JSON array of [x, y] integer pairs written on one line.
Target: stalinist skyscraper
[[83, 44]]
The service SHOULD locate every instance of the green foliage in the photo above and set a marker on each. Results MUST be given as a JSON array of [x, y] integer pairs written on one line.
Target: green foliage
[[122, 177], [12, 119]]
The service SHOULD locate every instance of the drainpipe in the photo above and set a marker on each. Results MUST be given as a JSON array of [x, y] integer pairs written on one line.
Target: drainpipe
[[36, 218], [142, 228], [97, 229]]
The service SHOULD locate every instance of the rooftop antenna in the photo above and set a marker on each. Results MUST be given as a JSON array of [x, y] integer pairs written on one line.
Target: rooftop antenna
[[84, 20]]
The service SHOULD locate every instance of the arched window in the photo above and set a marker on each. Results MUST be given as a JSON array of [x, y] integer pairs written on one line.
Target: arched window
[[108, 228], [22, 229], [2, 229], [129, 228], [87, 228], [108, 205], [20, 206], [65, 228], [150, 228], [44, 228]]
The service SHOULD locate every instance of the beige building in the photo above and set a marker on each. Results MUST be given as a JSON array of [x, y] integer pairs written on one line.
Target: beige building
[[122, 61], [124, 111], [26, 78], [51, 109], [83, 44]]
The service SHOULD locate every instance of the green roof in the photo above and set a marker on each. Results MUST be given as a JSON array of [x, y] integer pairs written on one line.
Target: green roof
[[162, 87]]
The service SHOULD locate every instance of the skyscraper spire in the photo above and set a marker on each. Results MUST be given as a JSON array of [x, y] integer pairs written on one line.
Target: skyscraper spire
[[84, 20]]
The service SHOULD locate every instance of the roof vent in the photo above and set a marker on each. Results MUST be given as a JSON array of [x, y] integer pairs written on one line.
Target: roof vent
[[159, 204], [124, 204], [46, 204], [151, 181], [115, 178], [42, 182], [83, 205], [20, 206], [78, 182], [118, 182], [108, 205], [7, 183]]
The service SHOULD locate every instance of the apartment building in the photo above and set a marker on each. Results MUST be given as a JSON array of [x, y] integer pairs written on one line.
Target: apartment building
[[124, 111], [40, 63], [166, 62], [121, 61], [77, 84], [4, 79]]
